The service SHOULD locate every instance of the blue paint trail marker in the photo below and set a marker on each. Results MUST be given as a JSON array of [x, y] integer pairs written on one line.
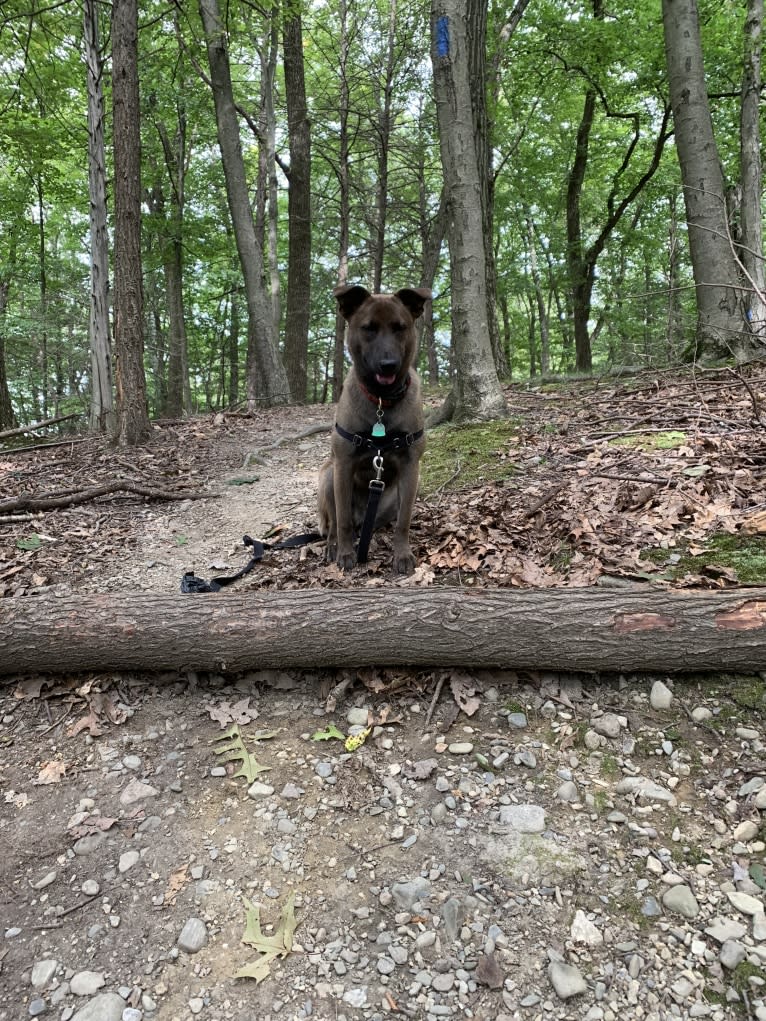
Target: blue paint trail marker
[[442, 36]]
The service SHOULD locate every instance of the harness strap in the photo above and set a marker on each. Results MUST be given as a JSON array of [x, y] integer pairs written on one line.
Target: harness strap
[[191, 583], [391, 441]]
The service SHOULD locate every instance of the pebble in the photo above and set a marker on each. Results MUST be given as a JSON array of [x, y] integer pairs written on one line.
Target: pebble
[[43, 972], [701, 713], [523, 818], [732, 954], [409, 893], [90, 888], [517, 720], [357, 717], [583, 930], [566, 980], [86, 983], [104, 1007], [568, 792], [746, 830], [608, 725], [680, 900], [128, 860], [460, 748], [137, 791], [660, 697], [47, 879], [193, 936], [744, 902], [259, 790]]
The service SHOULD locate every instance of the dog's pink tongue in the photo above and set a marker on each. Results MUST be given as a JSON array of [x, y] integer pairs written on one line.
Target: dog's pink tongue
[[385, 380]]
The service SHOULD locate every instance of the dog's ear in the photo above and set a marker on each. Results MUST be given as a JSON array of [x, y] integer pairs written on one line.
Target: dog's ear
[[413, 299], [350, 298]]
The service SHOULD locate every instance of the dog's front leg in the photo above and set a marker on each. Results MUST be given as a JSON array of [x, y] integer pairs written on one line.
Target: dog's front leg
[[404, 560], [344, 515]]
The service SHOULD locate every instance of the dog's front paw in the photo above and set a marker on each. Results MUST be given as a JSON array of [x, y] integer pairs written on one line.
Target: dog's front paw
[[404, 563], [346, 561]]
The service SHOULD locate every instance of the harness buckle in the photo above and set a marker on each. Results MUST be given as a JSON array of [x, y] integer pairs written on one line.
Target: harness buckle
[[357, 440]]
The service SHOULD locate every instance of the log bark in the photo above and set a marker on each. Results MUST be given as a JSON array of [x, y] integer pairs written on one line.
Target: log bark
[[560, 629]]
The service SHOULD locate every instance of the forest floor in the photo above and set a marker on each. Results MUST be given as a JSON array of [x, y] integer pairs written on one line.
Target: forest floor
[[502, 845]]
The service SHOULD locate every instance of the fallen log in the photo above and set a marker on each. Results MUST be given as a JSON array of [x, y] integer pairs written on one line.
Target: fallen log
[[555, 629]]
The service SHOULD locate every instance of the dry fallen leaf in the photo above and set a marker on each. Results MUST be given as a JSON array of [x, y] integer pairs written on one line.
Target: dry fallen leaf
[[51, 772], [464, 689]]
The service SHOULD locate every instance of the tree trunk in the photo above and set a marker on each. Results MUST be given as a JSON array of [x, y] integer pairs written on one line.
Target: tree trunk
[[267, 190], [298, 310], [382, 139], [580, 274], [542, 309], [102, 415], [267, 380], [750, 249], [132, 415], [721, 325], [433, 239], [563, 629], [477, 387], [178, 398], [344, 197], [7, 415]]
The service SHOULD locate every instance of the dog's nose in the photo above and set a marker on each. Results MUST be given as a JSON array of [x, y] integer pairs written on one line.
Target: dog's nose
[[389, 366]]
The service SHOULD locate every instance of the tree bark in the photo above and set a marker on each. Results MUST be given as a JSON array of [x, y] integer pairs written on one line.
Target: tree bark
[[101, 383], [750, 249], [7, 415], [344, 196], [298, 304], [132, 413], [267, 380], [564, 629], [477, 387], [721, 325]]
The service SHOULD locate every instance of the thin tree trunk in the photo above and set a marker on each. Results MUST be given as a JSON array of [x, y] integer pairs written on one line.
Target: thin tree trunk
[[344, 211], [433, 239], [298, 310], [132, 415], [383, 137], [542, 311], [267, 190], [580, 274], [7, 416], [102, 414], [266, 377], [478, 392], [178, 391], [567, 629], [721, 327], [234, 349], [751, 242]]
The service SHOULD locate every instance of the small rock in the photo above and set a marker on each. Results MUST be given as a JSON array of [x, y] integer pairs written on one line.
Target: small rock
[[196, 1003], [566, 980], [193, 936], [488, 972], [442, 983], [680, 900], [523, 818], [90, 888], [732, 954], [43, 971], [37, 1007], [89, 844], [86, 983], [104, 1007], [385, 966], [650, 908], [585, 931], [128, 860], [357, 716], [47, 879], [568, 792], [452, 915], [723, 930], [291, 791], [608, 725], [660, 696], [137, 791], [744, 902], [324, 769], [701, 713], [746, 830], [356, 997], [408, 894], [259, 790], [517, 720], [460, 748]]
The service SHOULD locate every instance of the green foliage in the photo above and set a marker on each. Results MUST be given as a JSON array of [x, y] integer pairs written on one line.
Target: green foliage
[[457, 457]]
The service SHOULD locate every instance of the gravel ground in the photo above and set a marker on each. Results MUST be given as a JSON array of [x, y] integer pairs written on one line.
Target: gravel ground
[[565, 852]]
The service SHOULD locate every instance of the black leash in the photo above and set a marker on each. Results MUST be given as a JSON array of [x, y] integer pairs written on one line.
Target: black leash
[[374, 494], [191, 583]]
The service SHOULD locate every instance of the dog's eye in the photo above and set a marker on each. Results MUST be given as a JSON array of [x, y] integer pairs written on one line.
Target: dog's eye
[[369, 328], [397, 327]]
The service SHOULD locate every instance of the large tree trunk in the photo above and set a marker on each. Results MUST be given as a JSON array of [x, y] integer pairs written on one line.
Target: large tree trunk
[[563, 629], [298, 305], [477, 388], [750, 249], [267, 380], [101, 383], [721, 323], [132, 413]]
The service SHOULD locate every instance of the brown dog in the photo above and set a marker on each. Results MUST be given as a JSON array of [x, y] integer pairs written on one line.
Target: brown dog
[[379, 414]]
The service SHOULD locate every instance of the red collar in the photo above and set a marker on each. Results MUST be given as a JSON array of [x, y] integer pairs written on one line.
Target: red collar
[[391, 400]]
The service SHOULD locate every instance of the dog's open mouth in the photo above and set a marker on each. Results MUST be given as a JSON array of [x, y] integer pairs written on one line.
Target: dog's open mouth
[[384, 380]]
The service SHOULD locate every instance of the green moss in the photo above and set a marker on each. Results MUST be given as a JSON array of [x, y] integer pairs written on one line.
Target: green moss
[[651, 441], [740, 977], [460, 456], [745, 555], [610, 768]]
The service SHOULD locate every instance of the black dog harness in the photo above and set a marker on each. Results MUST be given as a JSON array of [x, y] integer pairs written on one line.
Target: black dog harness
[[377, 439]]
